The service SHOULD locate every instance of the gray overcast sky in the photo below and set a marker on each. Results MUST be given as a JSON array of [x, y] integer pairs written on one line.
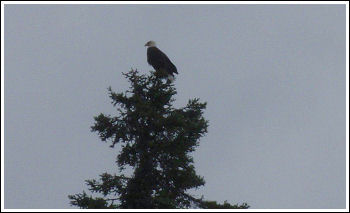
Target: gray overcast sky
[[273, 77]]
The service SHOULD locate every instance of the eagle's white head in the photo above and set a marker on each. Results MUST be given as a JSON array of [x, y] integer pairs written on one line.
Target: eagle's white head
[[150, 44]]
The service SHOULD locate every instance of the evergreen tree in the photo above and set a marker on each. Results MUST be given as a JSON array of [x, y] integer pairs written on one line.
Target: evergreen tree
[[156, 141]]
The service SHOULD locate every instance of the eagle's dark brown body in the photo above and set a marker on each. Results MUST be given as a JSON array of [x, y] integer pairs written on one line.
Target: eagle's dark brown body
[[160, 62]]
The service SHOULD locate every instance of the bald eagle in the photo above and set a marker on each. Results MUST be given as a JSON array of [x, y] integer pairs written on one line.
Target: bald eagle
[[160, 62]]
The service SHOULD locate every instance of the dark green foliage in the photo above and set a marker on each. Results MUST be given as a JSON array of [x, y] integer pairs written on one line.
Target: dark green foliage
[[87, 202], [156, 141]]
